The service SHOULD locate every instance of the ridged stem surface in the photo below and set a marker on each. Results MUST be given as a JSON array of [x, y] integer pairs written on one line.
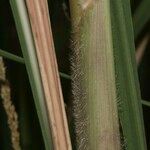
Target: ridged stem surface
[[93, 76]]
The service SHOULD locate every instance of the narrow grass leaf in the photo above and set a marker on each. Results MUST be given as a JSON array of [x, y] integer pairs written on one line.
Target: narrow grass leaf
[[129, 100]]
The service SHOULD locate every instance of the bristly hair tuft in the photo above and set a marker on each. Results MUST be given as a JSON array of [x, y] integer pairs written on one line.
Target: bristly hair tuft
[[79, 94]]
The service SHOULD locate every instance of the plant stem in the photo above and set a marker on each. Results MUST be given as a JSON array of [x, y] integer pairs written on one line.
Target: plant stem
[[42, 35], [146, 103], [11, 56], [93, 76]]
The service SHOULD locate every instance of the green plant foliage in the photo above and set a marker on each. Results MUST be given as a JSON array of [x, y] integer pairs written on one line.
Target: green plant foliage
[[129, 100]]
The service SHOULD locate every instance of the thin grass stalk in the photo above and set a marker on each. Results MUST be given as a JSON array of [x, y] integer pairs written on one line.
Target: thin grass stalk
[[43, 39], [12, 57], [19, 59], [93, 76], [28, 49], [127, 84], [146, 103]]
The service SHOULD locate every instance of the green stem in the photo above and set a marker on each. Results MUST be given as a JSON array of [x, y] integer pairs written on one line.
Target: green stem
[[146, 103], [11, 56], [18, 59], [93, 76], [63, 75]]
